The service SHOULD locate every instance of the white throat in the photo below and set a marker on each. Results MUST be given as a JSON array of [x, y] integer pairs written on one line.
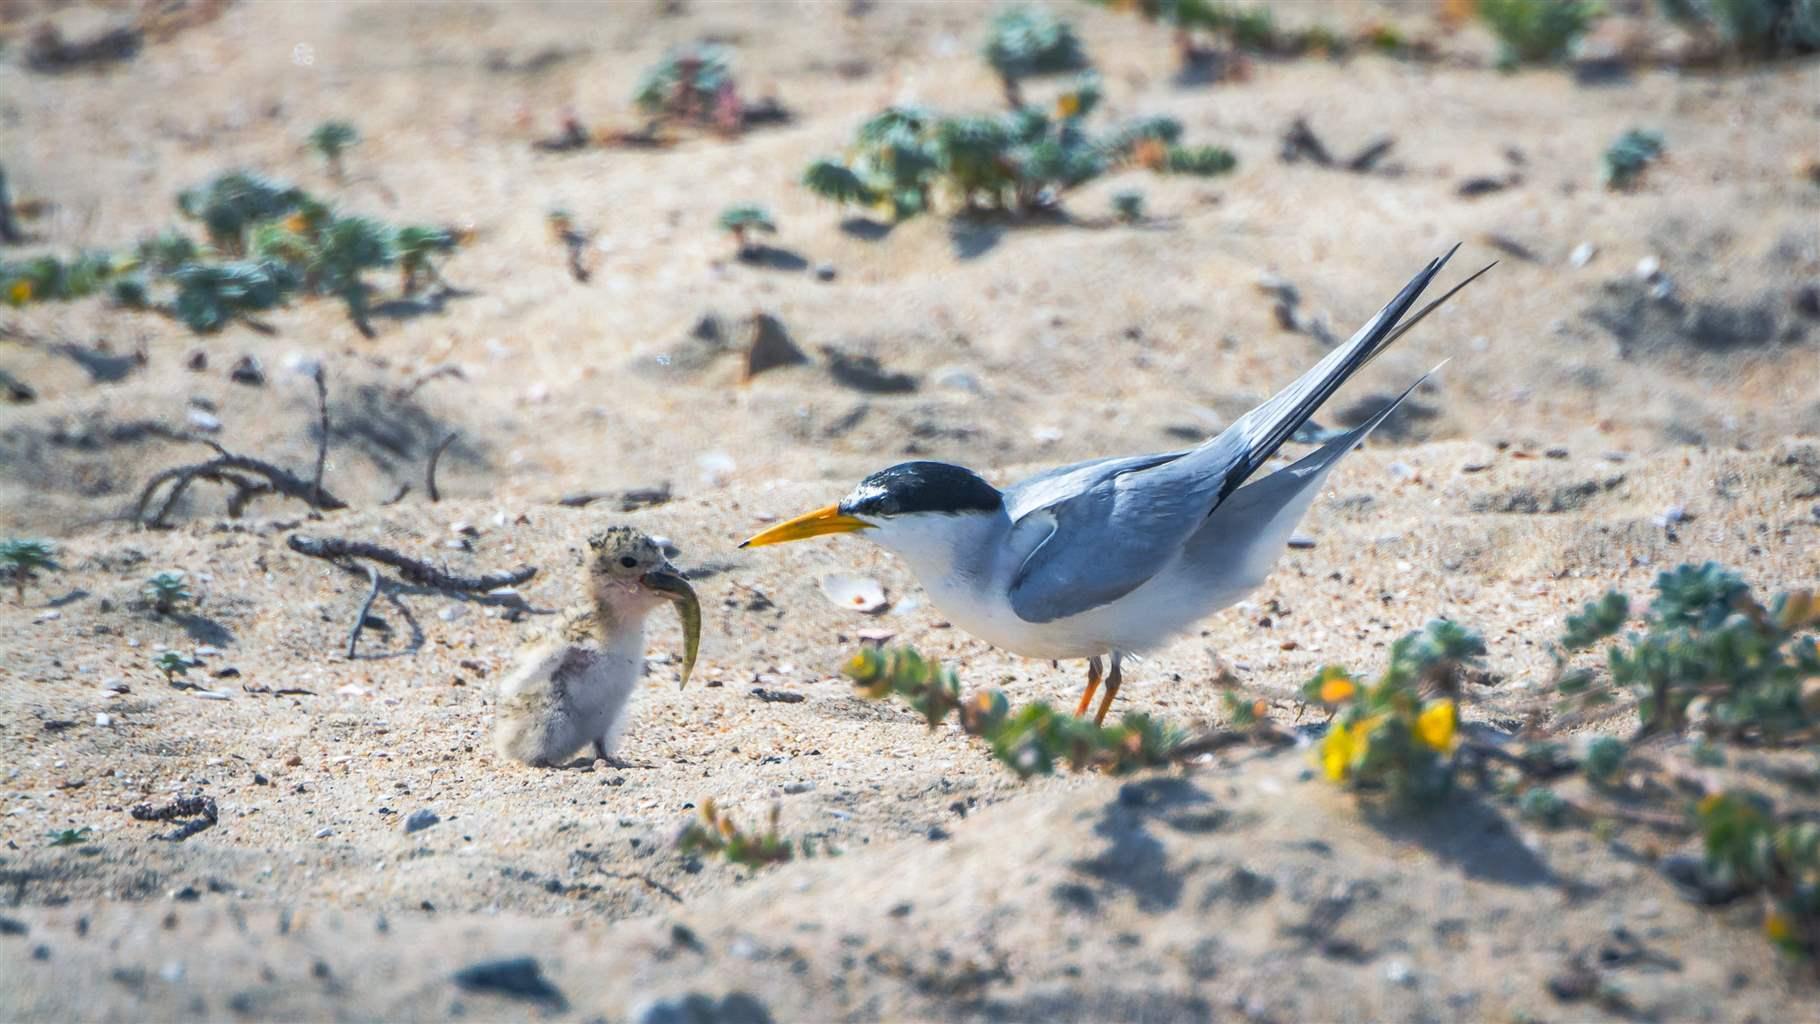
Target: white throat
[[957, 559]]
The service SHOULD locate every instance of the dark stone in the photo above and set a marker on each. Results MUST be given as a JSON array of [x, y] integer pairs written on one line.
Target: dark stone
[[516, 978], [697, 1008], [866, 373]]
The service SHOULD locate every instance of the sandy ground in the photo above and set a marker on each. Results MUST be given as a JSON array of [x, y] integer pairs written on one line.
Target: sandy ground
[[1534, 474]]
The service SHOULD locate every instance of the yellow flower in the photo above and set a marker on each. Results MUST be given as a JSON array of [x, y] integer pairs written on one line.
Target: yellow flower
[[296, 224], [1068, 105], [1777, 926], [1336, 754], [20, 293], [1710, 802], [1436, 725]]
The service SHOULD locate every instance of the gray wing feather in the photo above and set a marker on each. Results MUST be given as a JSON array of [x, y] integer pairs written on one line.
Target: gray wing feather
[[1245, 536], [1101, 529]]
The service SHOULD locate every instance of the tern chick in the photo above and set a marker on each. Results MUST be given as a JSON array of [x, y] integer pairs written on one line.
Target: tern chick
[[571, 690]]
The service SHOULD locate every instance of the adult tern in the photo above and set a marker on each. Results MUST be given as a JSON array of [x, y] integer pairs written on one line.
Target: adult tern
[[1118, 555]]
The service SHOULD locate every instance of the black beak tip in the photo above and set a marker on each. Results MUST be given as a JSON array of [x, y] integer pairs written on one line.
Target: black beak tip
[[744, 543]]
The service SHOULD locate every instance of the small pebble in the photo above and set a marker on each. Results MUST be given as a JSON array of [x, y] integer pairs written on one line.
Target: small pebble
[[824, 271], [203, 420], [1556, 453], [104, 720], [324, 833], [451, 612], [1648, 268], [246, 370], [420, 820], [1301, 541], [1583, 254], [1398, 973], [798, 787]]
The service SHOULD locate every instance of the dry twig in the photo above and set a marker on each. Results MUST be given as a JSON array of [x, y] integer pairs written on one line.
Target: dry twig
[[322, 443], [217, 470], [409, 569], [196, 806], [360, 620], [429, 476]]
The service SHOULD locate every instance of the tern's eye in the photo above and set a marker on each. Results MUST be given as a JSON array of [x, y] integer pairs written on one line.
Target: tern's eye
[[628, 561]]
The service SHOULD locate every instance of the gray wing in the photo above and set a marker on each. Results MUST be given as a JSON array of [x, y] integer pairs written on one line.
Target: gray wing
[[547, 675], [1098, 530], [1052, 485], [1244, 537]]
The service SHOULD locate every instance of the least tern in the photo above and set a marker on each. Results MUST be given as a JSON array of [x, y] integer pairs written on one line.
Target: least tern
[[573, 691], [1114, 556]]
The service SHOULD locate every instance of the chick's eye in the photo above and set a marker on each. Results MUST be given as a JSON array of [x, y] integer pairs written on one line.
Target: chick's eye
[[628, 561]]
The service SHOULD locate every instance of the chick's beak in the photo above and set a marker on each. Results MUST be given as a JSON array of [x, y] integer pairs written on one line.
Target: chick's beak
[[818, 523], [670, 584]]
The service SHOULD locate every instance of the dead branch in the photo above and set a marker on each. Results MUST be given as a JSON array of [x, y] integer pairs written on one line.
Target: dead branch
[[1216, 741], [201, 808], [429, 476], [409, 569], [322, 443], [1660, 821], [433, 373], [360, 620], [1535, 768], [279, 481]]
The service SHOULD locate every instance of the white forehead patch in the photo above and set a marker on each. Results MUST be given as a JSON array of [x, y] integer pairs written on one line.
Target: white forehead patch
[[865, 492]]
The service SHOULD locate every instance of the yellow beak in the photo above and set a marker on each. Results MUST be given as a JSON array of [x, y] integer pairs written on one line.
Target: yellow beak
[[810, 524]]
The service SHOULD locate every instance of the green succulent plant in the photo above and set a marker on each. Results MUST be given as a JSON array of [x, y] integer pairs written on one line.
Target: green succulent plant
[[1709, 655], [417, 248], [21, 561], [69, 836], [1537, 31], [168, 591], [1752, 28], [693, 84], [332, 139], [1128, 206], [1629, 156], [232, 203], [1027, 42], [1032, 740], [1399, 733], [716, 833], [904, 158], [1749, 846], [173, 665], [211, 295], [743, 220], [48, 278]]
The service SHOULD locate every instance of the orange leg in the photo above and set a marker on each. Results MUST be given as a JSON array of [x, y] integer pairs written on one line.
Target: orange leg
[[1113, 679], [1093, 685]]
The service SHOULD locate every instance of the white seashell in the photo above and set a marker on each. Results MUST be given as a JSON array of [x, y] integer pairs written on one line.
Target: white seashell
[[855, 593]]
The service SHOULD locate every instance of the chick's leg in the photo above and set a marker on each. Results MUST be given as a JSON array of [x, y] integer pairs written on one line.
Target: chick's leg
[[601, 752], [1093, 684]]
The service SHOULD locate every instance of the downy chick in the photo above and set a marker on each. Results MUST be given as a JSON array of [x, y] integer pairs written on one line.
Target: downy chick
[[572, 690]]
